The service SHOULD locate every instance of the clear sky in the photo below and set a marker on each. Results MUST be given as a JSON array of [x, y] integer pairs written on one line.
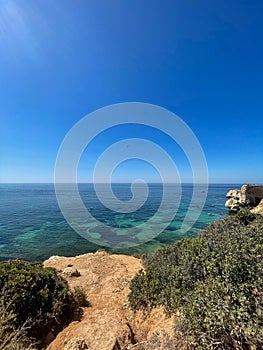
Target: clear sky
[[60, 60]]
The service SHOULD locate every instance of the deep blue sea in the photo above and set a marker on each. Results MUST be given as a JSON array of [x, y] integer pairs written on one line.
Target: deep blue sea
[[32, 226]]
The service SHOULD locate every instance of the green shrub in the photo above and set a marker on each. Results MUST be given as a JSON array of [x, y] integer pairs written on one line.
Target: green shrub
[[215, 281], [33, 294], [36, 297], [79, 297]]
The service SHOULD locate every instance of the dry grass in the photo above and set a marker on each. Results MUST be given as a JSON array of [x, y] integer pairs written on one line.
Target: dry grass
[[10, 337], [161, 341]]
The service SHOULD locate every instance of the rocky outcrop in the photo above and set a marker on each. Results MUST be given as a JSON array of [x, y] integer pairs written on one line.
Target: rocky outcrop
[[109, 323], [258, 209], [249, 196]]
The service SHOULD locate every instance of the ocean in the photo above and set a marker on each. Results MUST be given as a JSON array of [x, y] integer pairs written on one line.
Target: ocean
[[33, 228]]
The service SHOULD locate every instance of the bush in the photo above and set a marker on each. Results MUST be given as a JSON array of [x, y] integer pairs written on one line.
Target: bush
[[12, 338], [79, 298], [215, 281], [35, 298]]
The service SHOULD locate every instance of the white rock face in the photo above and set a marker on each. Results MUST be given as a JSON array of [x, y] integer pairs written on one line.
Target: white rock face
[[249, 196]]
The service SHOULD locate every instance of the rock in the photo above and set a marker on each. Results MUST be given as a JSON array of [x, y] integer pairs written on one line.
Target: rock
[[71, 272], [249, 196], [106, 324], [76, 344], [116, 346], [259, 208], [54, 257]]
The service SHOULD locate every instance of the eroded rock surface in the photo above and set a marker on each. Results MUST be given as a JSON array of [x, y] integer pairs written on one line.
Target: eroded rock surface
[[249, 196], [109, 323], [259, 208]]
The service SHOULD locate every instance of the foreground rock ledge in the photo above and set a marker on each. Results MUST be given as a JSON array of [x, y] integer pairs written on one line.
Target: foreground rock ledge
[[108, 324]]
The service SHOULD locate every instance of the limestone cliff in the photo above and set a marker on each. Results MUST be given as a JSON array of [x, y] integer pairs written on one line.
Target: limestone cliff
[[249, 196], [109, 323]]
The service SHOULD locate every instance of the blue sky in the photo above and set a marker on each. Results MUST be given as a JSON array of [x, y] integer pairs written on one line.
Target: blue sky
[[60, 60]]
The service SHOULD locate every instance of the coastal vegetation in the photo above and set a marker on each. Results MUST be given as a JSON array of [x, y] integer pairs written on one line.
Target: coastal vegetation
[[34, 301], [212, 283]]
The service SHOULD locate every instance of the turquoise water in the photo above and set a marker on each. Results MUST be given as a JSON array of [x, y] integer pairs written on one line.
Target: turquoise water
[[32, 226]]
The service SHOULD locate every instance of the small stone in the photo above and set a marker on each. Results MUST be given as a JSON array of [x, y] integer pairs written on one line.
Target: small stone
[[116, 291], [76, 344], [71, 272]]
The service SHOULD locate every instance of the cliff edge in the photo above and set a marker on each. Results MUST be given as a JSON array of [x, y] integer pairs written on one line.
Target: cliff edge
[[109, 323]]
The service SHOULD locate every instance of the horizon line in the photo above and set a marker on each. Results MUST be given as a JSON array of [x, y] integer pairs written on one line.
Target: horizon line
[[125, 182]]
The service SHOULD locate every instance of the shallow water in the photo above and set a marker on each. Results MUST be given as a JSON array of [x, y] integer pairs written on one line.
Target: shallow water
[[32, 226]]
